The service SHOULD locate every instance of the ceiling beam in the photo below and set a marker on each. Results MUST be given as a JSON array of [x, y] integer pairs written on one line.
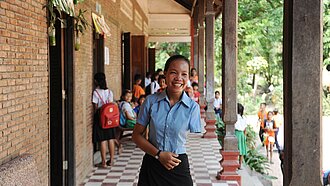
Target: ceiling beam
[[193, 8], [185, 3]]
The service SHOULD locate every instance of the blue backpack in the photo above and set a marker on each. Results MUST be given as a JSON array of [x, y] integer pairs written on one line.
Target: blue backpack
[[122, 115]]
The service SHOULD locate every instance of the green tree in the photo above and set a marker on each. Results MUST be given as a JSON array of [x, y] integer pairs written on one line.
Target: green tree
[[260, 35], [326, 32], [165, 50]]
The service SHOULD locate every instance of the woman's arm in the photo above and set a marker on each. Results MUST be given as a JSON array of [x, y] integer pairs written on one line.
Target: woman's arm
[[141, 142], [167, 159], [95, 107], [128, 115]]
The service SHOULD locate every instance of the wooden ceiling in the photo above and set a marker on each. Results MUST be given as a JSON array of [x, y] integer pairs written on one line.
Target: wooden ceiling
[[170, 20]]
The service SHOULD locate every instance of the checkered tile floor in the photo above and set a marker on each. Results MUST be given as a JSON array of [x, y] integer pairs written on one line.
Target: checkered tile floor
[[203, 156]]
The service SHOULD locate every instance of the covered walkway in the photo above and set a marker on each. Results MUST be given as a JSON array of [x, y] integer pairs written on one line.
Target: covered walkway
[[203, 155]]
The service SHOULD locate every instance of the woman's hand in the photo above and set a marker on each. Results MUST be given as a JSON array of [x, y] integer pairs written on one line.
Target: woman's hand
[[169, 160]]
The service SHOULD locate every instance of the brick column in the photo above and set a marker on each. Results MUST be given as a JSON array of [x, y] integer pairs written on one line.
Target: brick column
[[230, 151], [302, 54], [209, 49]]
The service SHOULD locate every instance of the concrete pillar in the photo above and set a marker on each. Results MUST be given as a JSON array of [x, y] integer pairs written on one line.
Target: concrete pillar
[[209, 50], [229, 59], [302, 55]]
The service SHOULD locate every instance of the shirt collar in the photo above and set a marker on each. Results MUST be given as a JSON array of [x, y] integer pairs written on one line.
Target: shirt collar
[[184, 98]]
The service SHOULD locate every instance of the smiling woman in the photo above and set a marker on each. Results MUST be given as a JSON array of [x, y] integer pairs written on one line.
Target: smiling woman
[[169, 115]]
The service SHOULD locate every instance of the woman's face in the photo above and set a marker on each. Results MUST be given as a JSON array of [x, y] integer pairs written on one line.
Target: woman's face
[[177, 76]]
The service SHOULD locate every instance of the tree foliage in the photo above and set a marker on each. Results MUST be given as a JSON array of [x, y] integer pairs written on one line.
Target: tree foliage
[[166, 49], [260, 65], [326, 32]]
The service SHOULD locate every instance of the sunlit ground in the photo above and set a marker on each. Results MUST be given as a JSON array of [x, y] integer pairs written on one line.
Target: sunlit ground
[[326, 138]]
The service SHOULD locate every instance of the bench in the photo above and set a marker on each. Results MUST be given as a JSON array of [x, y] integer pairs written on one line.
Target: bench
[[20, 171]]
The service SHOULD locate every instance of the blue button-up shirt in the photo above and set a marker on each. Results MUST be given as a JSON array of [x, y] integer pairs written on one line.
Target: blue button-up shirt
[[168, 125]]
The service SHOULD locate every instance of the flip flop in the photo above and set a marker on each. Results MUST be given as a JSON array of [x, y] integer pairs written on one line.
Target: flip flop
[[108, 163], [101, 165]]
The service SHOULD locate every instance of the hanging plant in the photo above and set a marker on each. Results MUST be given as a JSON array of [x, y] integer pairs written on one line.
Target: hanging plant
[[80, 26], [52, 20], [55, 7], [77, 1]]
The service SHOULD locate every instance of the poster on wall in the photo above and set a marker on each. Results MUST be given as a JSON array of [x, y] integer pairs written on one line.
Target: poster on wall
[[106, 56]]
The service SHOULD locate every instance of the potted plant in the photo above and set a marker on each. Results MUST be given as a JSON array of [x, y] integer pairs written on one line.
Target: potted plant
[[221, 131], [80, 26]]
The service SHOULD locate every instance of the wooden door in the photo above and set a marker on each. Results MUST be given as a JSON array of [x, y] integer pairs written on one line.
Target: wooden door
[[139, 59]]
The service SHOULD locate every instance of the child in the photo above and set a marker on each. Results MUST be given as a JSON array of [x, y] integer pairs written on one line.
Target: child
[[269, 128], [262, 115], [137, 89], [162, 83], [217, 104], [190, 92], [193, 75], [154, 86], [240, 127], [140, 101], [127, 109], [196, 93], [102, 95], [147, 79]]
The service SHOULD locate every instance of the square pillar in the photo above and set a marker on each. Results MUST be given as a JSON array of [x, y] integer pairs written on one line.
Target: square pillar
[[209, 50], [302, 60], [230, 151], [201, 53]]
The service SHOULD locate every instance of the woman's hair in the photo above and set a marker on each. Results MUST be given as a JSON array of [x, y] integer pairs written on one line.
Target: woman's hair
[[173, 58], [240, 109], [100, 80], [126, 91]]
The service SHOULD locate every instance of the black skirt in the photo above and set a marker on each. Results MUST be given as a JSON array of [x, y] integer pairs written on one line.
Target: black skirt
[[153, 173], [100, 134]]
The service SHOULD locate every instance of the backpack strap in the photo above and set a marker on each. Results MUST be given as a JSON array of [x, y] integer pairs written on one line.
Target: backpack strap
[[109, 96], [99, 96]]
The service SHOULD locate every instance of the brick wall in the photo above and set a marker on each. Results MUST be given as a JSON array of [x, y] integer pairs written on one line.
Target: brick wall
[[24, 82], [83, 76]]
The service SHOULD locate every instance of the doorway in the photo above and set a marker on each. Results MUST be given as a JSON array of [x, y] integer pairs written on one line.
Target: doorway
[[98, 66], [62, 164]]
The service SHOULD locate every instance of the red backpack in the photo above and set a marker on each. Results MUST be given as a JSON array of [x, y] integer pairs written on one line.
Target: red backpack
[[109, 114]]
